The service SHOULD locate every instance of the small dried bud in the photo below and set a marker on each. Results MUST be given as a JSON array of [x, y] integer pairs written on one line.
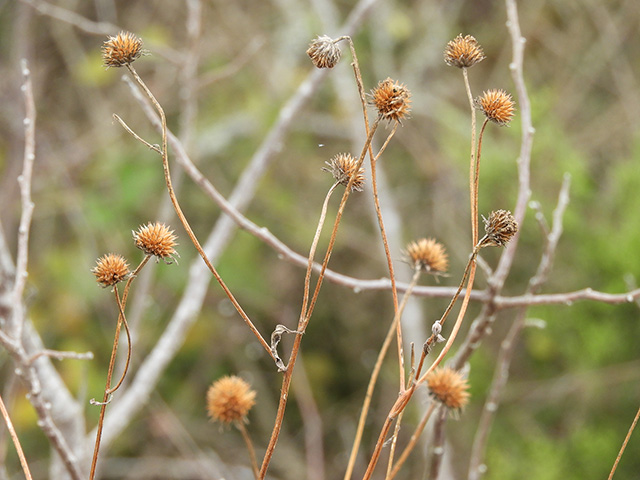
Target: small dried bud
[[156, 239], [449, 387], [121, 50], [392, 100], [497, 105], [463, 52], [324, 52], [230, 399], [500, 227], [343, 167], [427, 255], [110, 269]]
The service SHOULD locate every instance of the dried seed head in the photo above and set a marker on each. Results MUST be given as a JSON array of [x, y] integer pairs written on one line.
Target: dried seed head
[[500, 227], [449, 387], [121, 50], [324, 52], [428, 256], [230, 399], [156, 239], [110, 269], [343, 167], [497, 105], [463, 52], [392, 100]]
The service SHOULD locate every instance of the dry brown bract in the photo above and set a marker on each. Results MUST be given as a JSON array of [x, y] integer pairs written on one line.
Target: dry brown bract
[[392, 100], [449, 387], [156, 239], [230, 399], [497, 106], [463, 52], [343, 167], [427, 255], [121, 50], [110, 269], [500, 227], [324, 52]]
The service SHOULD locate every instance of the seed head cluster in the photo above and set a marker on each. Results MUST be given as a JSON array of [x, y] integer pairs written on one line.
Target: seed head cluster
[[121, 50], [497, 106], [156, 239], [343, 167], [500, 227], [449, 387], [392, 100], [110, 269], [428, 256], [229, 399], [324, 52], [463, 52]]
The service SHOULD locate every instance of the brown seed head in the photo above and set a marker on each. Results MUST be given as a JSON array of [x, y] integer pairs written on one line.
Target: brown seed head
[[500, 227], [427, 255], [110, 269], [121, 50], [497, 105], [463, 52], [324, 52], [449, 387], [343, 167], [156, 239], [230, 399], [392, 100]]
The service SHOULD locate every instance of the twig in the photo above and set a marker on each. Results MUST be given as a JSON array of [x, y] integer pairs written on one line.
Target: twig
[[624, 444], [60, 355], [16, 440], [250, 449], [437, 446]]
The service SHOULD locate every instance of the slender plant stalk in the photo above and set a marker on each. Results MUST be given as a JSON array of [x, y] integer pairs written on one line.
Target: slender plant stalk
[[305, 317], [624, 444], [15, 439], [473, 171], [374, 376], [250, 449], [107, 389], [412, 442], [183, 219]]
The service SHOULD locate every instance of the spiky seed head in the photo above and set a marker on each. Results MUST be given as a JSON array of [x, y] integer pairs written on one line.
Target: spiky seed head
[[324, 52], [463, 52], [121, 50], [110, 269], [343, 167], [156, 239], [229, 399], [500, 227], [428, 256], [392, 100], [497, 105], [449, 387]]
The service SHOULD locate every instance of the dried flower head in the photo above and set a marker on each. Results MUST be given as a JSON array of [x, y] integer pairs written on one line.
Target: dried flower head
[[156, 239], [121, 50], [392, 100], [449, 387], [324, 52], [497, 105], [427, 255], [343, 167], [463, 52], [500, 227], [230, 399], [110, 269]]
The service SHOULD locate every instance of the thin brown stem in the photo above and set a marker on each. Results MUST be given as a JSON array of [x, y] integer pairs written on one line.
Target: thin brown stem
[[624, 444], [252, 453], [473, 172], [122, 318], [183, 219], [374, 377], [15, 439], [412, 442]]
